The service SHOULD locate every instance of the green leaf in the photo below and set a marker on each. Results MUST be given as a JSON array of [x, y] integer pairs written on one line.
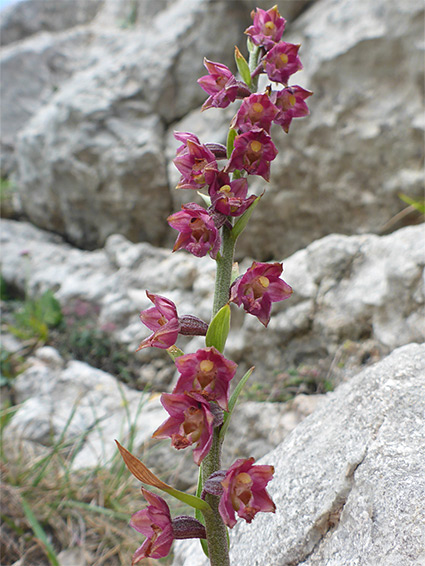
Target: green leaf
[[419, 205], [231, 141], [50, 308], [144, 474], [243, 67], [192, 500], [39, 533], [242, 221], [174, 352], [232, 402], [218, 329]]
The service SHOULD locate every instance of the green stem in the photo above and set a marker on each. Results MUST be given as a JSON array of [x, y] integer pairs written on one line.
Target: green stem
[[224, 271], [218, 547]]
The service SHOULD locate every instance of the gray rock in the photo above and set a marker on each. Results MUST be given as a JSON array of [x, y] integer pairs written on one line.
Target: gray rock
[[355, 297], [83, 407], [29, 17], [32, 71], [92, 157], [346, 289], [349, 481]]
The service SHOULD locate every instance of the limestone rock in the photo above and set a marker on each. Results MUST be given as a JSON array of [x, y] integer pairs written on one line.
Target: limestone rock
[[28, 17], [92, 157], [82, 404], [355, 297], [349, 482]]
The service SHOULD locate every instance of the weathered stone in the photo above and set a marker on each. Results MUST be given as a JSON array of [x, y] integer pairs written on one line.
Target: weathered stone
[[32, 71], [92, 158], [81, 404], [355, 297], [28, 17], [349, 482]]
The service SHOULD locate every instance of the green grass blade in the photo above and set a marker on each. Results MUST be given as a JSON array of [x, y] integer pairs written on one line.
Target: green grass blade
[[232, 402], [39, 533], [97, 509]]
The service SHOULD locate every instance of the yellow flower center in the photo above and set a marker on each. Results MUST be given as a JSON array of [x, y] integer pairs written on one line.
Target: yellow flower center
[[243, 479], [292, 100], [264, 282], [284, 58], [257, 107], [256, 146], [206, 366], [269, 26], [224, 189]]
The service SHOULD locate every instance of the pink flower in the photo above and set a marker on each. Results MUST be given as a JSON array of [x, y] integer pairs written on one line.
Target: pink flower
[[191, 160], [282, 61], [253, 152], [256, 110], [166, 325], [163, 320], [290, 102], [198, 234], [258, 288], [191, 422], [220, 84], [268, 27], [229, 197], [206, 372], [244, 491], [154, 522]]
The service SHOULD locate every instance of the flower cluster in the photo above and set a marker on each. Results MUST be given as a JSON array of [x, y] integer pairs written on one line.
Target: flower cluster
[[200, 405]]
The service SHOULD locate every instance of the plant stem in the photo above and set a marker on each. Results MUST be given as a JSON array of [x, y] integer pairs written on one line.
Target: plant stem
[[218, 548], [224, 271]]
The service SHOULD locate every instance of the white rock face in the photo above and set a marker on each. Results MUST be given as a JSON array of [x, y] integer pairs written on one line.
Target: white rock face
[[94, 133], [347, 290], [82, 404], [349, 482]]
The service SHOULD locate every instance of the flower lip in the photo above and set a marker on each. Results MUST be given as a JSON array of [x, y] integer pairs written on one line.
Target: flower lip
[[207, 373], [155, 523], [258, 288], [243, 491], [268, 27]]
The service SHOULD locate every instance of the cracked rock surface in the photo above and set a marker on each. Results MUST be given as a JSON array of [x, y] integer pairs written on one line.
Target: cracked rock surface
[[349, 485]]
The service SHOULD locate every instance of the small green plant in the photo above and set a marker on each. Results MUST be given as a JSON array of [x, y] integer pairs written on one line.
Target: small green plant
[[35, 317]]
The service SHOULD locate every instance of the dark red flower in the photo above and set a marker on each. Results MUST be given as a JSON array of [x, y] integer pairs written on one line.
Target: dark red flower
[[244, 491], [206, 372], [198, 233], [229, 197], [258, 288], [191, 422], [220, 84], [154, 522], [290, 103], [191, 160], [282, 61], [253, 151], [256, 110], [268, 27]]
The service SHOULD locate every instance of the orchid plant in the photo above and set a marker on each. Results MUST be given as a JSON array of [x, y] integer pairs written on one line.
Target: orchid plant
[[200, 406]]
